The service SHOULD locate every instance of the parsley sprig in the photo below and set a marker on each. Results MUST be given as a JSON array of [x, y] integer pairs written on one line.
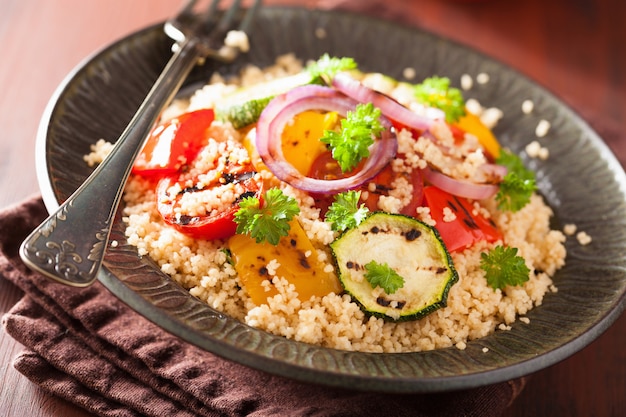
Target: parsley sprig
[[383, 276], [518, 184], [504, 267], [350, 145], [436, 92], [324, 69], [270, 221], [345, 212]]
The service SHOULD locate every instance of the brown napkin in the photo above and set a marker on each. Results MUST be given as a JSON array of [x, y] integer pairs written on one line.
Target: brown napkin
[[86, 346]]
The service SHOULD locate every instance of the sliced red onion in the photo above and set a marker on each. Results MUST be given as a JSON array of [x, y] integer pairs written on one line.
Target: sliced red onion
[[276, 105], [493, 172], [281, 111], [460, 188], [388, 106]]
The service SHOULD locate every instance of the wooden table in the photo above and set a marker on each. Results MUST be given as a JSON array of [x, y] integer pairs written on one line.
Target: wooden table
[[574, 47]]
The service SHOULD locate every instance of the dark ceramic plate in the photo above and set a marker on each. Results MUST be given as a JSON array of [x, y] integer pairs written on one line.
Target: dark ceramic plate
[[100, 96]]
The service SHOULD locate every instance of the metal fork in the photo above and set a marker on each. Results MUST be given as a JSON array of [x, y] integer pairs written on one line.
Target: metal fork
[[70, 245]]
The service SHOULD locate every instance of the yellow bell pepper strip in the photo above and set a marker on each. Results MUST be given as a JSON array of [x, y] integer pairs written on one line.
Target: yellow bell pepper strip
[[471, 123], [300, 140], [298, 264]]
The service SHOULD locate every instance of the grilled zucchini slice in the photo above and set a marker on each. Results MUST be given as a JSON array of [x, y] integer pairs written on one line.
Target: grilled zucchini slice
[[409, 247], [244, 106]]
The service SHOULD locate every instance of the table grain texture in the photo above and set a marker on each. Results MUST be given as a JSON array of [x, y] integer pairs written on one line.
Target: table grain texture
[[575, 48]]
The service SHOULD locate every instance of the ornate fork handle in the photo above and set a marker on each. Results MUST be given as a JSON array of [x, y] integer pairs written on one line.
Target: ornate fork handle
[[69, 245]]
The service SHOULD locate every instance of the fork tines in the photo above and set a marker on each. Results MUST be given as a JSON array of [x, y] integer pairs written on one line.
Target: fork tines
[[219, 31], [221, 24]]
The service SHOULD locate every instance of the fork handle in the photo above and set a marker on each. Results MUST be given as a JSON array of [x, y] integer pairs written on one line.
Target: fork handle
[[70, 245]]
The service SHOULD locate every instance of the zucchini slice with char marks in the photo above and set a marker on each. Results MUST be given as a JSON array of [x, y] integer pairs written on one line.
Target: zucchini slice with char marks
[[412, 249]]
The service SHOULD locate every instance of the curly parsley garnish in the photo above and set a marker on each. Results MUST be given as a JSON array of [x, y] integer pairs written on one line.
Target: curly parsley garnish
[[324, 69], [436, 92], [383, 276], [518, 184], [504, 267], [345, 212], [269, 222], [358, 129]]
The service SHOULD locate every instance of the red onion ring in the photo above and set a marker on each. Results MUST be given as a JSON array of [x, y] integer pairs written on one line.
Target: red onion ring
[[493, 172], [394, 110], [281, 111], [388, 106], [460, 188]]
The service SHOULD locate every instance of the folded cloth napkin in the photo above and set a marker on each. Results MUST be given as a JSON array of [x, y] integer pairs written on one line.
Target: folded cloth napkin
[[86, 346]]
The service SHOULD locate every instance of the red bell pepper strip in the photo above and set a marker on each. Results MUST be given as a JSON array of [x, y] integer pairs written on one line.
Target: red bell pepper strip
[[467, 228], [174, 143]]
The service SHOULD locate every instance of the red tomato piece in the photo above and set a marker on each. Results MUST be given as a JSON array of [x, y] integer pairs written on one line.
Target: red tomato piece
[[174, 143], [467, 228], [383, 184], [325, 167], [457, 133], [400, 126], [215, 225]]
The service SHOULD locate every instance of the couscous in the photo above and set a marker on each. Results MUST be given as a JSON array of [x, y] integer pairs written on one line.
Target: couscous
[[210, 268]]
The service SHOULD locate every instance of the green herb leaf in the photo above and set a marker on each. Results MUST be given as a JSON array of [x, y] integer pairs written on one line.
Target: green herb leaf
[[345, 212], [436, 92], [358, 129], [518, 184], [514, 164], [504, 267], [383, 276], [325, 68], [270, 222], [514, 193]]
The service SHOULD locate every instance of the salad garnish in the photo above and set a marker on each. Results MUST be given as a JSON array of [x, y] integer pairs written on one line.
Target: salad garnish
[[268, 221], [326, 67], [351, 145], [383, 276], [517, 186], [436, 92], [345, 212], [504, 267]]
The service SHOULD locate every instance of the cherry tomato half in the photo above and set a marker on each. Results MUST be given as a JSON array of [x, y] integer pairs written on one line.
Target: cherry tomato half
[[174, 143], [217, 224]]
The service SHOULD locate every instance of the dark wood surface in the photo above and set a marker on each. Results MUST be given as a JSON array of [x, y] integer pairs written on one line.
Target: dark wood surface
[[575, 48]]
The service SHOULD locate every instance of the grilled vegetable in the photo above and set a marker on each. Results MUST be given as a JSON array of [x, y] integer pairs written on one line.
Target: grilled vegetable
[[243, 107], [464, 227], [298, 264], [300, 139], [418, 268]]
